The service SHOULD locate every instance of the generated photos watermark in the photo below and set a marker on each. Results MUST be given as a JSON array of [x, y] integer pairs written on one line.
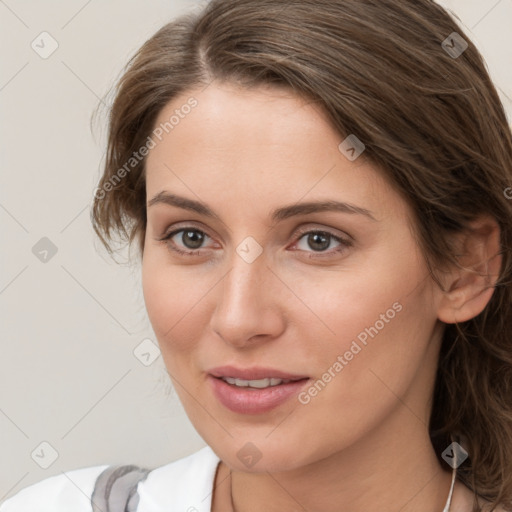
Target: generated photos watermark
[[355, 348], [142, 152]]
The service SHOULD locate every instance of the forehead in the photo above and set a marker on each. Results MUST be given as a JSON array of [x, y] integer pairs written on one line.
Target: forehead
[[261, 142], [237, 119]]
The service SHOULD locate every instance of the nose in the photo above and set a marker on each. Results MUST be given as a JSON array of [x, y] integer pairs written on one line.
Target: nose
[[248, 308]]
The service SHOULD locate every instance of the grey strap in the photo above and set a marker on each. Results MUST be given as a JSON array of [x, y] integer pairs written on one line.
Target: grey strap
[[116, 489]]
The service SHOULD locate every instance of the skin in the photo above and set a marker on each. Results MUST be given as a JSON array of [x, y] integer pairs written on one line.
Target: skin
[[363, 440]]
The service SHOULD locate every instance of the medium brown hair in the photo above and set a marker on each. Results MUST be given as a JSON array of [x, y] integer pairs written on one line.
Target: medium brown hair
[[431, 121]]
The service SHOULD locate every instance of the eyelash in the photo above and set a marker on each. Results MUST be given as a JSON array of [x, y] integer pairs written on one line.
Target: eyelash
[[345, 243]]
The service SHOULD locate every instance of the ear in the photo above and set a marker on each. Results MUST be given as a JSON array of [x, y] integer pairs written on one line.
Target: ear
[[470, 286]]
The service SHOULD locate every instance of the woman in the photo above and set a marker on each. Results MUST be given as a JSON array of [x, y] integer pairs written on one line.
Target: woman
[[320, 193]]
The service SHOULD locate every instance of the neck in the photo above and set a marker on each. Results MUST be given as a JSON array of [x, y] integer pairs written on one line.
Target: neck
[[394, 469]]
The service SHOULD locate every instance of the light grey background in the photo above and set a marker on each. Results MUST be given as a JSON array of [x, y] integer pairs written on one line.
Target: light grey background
[[69, 376]]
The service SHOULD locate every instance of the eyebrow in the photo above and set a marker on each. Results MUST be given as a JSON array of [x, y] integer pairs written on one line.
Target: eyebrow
[[279, 214]]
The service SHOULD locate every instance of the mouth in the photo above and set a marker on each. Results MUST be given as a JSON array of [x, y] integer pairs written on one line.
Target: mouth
[[256, 390], [258, 383], [254, 373]]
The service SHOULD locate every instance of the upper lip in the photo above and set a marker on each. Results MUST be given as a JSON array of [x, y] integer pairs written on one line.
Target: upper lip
[[254, 373]]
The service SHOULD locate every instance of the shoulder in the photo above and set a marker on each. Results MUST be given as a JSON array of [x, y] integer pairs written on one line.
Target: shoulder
[[185, 484], [70, 490]]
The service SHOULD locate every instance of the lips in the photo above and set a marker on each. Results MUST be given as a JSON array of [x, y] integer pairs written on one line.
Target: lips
[[254, 390]]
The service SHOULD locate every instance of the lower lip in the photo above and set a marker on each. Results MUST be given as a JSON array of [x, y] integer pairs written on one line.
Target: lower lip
[[252, 400]]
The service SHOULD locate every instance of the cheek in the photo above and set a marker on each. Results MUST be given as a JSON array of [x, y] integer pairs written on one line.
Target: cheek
[[172, 298], [382, 334], [382, 291], [379, 317]]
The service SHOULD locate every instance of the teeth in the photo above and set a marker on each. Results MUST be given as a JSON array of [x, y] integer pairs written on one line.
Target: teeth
[[259, 384]]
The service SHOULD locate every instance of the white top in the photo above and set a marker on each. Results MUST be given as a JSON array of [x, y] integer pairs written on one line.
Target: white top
[[184, 485]]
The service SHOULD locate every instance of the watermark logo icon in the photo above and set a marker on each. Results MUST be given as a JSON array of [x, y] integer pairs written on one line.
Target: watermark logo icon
[[146, 352], [44, 250], [249, 454], [454, 45], [352, 148], [44, 455], [454, 455], [44, 45], [249, 250]]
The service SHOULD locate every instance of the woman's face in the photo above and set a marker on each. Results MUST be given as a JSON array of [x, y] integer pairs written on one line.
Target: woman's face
[[286, 260]]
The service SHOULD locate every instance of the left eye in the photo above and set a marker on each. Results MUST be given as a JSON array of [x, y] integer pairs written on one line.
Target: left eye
[[319, 241]]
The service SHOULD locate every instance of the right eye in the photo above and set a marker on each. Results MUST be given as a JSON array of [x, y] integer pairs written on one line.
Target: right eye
[[185, 241]]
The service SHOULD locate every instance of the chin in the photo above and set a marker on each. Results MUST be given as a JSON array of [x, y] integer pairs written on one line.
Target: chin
[[262, 454]]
